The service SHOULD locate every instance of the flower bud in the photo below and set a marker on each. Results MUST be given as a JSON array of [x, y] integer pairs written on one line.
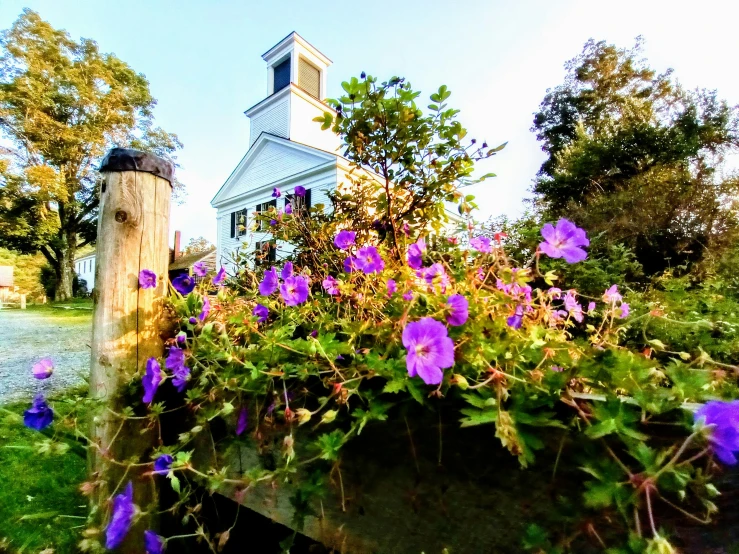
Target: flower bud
[[303, 415], [460, 381], [329, 416]]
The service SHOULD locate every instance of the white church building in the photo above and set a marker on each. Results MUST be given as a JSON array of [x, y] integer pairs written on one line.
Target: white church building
[[286, 148]]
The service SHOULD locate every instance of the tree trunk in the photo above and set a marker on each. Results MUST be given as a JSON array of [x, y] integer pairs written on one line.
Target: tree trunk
[[65, 271]]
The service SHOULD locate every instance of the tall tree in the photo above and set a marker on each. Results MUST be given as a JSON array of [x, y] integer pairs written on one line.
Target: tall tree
[[632, 153], [63, 104], [200, 244]]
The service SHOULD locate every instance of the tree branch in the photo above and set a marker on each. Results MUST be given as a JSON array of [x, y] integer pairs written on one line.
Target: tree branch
[[48, 255]]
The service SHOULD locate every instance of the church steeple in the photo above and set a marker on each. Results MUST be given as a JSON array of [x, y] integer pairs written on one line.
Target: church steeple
[[295, 60], [296, 89]]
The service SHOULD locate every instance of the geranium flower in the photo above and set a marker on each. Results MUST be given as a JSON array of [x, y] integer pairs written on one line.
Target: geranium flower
[[481, 244], [287, 270], [724, 435], [573, 306], [122, 518], [163, 464], [193, 321], [392, 287], [219, 277], [430, 350], [406, 229], [175, 362], [206, 309], [516, 320], [458, 310], [289, 209], [294, 290], [273, 222], [350, 264], [368, 259], [435, 275], [415, 254], [153, 543], [612, 295], [183, 284], [262, 312], [147, 279], [408, 295], [564, 241], [39, 416], [151, 380], [242, 422], [181, 337], [345, 239], [43, 368], [591, 307], [555, 293], [200, 269], [276, 193], [269, 283], [300, 191], [331, 285], [625, 310]]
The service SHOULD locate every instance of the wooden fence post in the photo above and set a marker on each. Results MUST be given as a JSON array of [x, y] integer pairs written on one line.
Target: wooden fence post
[[133, 229], [23, 301]]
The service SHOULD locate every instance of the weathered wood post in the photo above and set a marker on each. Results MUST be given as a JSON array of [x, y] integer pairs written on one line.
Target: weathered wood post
[[23, 301], [133, 229]]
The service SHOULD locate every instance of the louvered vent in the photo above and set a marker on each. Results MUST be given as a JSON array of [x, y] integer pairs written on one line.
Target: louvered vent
[[309, 78]]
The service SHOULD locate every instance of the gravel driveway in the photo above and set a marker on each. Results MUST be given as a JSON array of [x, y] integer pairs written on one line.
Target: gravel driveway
[[27, 336]]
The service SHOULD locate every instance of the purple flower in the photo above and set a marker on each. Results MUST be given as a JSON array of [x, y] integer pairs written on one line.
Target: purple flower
[[555, 292], [199, 269], [181, 337], [219, 277], [39, 416], [294, 290], [120, 521], [153, 543], [406, 229], [175, 362], [369, 260], [331, 285], [625, 310], [300, 191], [556, 368], [276, 193], [269, 284], [314, 333], [564, 241], [573, 306], [206, 309], [345, 240], [415, 254], [724, 436], [152, 379], [408, 295], [288, 209], [262, 312], [193, 321], [430, 350], [591, 307], [350, 264], [147, 279], [516, 320], [273, 222], [458, 310], [481, 244], [243, 422], [435, 275], [163, 464], [611, 296], [392, 287], [183, 284], [287, 270], [43, 368]]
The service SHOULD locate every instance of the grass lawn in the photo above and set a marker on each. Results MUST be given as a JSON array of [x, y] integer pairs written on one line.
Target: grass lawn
[[40, 504], [74, 308]]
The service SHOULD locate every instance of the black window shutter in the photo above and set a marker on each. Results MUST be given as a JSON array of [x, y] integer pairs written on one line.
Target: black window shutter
[[272, 252], [281, 75], [233, 224], [307, 200], [273, 203]]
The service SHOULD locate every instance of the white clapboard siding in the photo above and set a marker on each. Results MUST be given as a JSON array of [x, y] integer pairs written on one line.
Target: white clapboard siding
[[274, 120]]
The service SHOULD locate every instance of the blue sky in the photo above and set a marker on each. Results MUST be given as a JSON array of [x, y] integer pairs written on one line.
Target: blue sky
[[203, 60]]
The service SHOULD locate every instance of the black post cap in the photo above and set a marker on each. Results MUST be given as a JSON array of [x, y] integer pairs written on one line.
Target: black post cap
[[127, 159]]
